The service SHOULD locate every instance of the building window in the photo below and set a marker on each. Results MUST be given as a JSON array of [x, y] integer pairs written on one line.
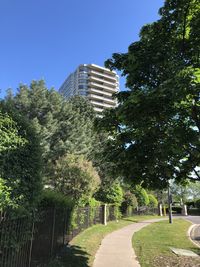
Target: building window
[[82, 86], [83, 93], [82, 68], [82, 81]]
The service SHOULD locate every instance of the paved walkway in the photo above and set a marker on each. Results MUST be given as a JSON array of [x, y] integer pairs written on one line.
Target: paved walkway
[[116, 248]]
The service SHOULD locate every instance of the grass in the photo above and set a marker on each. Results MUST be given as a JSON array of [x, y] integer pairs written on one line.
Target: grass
[[85, 245], [156, 239]]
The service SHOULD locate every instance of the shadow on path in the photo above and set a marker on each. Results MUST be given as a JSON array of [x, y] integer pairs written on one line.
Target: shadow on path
[[71, 256]]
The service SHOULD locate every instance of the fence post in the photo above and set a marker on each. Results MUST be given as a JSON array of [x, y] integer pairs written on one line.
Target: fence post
[[31, 245], [160, 210], [104, 214], [64, 224], [53, 230]]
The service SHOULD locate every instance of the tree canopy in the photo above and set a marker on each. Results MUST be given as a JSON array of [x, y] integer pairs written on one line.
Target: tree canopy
[[63, 126], [156, 126]]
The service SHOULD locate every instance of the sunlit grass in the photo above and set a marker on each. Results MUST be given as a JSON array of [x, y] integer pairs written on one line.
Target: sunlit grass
[[157, 238]]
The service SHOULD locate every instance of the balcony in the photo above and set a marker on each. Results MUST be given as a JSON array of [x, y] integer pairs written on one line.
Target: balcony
[[102, 98], [100, 91], [112, 77], [101, 104], [104, 87], [112, 84], [99, 69]]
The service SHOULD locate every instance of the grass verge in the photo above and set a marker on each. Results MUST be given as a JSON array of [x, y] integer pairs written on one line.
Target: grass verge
[[85, 245], [152, 244]]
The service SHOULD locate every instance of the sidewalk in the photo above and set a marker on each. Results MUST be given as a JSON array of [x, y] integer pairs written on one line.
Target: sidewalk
[[116, 248]]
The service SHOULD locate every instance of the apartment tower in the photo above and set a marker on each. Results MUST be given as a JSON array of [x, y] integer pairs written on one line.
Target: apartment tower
[[96, 83]]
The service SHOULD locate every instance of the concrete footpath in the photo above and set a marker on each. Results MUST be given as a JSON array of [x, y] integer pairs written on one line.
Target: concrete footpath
[[116, 248]]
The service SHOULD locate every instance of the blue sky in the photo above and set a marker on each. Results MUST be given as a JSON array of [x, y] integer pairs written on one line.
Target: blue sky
[[48, 39]]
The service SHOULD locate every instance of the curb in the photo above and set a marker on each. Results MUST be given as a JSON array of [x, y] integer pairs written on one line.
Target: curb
[[189, 234]]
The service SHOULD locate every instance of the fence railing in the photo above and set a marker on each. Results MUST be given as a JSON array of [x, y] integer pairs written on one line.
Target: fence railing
[[32, 241]]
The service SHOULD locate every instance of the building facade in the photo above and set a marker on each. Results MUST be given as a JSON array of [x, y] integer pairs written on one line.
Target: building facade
[[96, 83]]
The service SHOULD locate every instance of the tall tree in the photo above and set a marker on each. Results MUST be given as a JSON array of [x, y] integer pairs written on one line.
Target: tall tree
[[64, 126], [156, 127]]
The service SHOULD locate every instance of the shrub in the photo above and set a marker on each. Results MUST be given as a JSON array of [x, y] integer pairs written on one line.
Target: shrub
[[93, 202], [51, 198], [129, 203], [6, 200], [141, 195], [20, 159], [130, 199], [197, 203], [153, 202], [110, 194], [76, 177], [190, 204]]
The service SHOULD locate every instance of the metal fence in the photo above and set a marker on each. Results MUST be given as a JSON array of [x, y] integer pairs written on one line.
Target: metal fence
[[15, 242], [139, 211], [32, 241]]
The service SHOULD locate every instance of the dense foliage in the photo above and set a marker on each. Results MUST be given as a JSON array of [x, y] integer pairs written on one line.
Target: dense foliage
[[153, 202], [130, 200], [20, 162], [52, 198], [63, 126], [110, 193], [76, 177], [141, 195], [156, 125]]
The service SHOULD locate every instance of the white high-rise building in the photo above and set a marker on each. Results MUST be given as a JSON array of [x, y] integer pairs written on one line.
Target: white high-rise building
[[96, 83]]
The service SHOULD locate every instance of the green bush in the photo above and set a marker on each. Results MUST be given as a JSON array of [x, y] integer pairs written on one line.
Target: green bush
[[117, 213], [130, 199], [197, 203], [129, 203], [110, 194], [153, 202], [141, 195], [93, 204], [51, 198], [20, 160], [191, 204]]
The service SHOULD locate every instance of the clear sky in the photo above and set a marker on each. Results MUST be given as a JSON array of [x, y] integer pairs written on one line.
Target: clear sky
[[48, 39]]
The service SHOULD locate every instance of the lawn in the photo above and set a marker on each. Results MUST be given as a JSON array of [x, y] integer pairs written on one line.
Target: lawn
[[152, 244], [83, 247]]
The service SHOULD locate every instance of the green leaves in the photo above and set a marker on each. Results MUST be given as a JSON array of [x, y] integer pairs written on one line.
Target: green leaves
[[9, 135], [63, 126], [20, 167], [76, 177], [157, 122]]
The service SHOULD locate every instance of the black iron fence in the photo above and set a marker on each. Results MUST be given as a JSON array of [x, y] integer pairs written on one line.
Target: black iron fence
[[32, 241], [139, 211], [15, 242]]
